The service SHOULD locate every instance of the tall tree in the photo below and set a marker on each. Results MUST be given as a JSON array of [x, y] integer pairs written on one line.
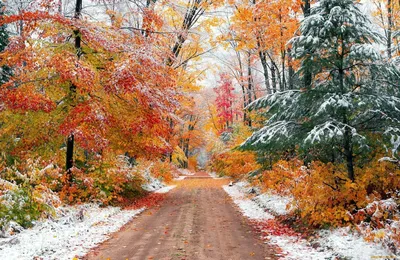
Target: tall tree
[[70, 139], [307, 76], [225, 101], [387, 15], [351, 97]]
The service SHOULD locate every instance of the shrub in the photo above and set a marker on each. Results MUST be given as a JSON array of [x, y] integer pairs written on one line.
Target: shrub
[[105, 184], [324, 196], [234, 163], [163, 171]]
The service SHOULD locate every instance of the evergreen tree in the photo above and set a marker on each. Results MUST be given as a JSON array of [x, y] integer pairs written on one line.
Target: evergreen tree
[[4, 71], [352, 96]]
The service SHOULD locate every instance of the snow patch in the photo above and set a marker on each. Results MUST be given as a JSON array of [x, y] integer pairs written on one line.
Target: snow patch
[[214, 175], [74, 231], [185, 172], [152, 184], [165, 189], [350, 245], [276, 204], [249, 208], [331, 244], [180, 178]]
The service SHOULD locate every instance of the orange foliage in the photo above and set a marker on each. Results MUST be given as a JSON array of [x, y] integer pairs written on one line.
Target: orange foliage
[[234, 163], [322, 195], [267, 25], [163, 171]]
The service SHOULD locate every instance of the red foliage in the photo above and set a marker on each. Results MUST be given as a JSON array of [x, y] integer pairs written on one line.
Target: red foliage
[[20, 99], [275, 228], [225, 100], [88, 121]]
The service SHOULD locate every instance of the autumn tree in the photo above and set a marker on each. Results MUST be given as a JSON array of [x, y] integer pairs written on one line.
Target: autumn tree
[[387, 14], [225, 101], [108, 88], [266, 26], [351, 101]]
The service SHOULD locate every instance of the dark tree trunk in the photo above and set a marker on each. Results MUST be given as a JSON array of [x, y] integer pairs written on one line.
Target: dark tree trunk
[[283, 82], [306, 6], [244, 103], [70, 139], [291, 70], [348, 152], [193, 13], [264, 64], [249, 85], [347, 136], [273, 77]]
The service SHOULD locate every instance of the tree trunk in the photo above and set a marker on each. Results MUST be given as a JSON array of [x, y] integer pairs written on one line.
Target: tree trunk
[[306, 6], [348, 152], [390, 28], [264, 64], [249, 79], [273, 76], [244, 103], [307, 73], [283, 84], [72, 89], [291, 70], [347, 136], [249, 84]]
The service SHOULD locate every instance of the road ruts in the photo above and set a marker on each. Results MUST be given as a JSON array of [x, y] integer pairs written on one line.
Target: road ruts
[[197, 220]]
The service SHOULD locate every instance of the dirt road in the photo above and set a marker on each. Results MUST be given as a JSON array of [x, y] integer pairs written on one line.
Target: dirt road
[[197, 220]]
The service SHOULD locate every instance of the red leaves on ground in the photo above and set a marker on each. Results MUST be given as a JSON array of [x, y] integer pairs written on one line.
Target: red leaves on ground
[[274, 227], [148, 201]]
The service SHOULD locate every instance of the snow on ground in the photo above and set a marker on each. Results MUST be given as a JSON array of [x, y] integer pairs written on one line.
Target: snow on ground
[[72, 233], [152, 184], [249, 208], [185, 172], [351, 245], [74, 230], [338, 243], [215, 176], [180, 178], [274, 203], [165, 189]]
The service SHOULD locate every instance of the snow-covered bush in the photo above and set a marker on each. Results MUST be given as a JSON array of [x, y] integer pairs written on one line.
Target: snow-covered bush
[[24, 196], [104, 184], [380, 222], [323, 196]]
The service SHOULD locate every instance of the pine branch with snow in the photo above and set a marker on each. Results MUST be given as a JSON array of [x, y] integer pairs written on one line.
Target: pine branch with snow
[[354, 92]]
